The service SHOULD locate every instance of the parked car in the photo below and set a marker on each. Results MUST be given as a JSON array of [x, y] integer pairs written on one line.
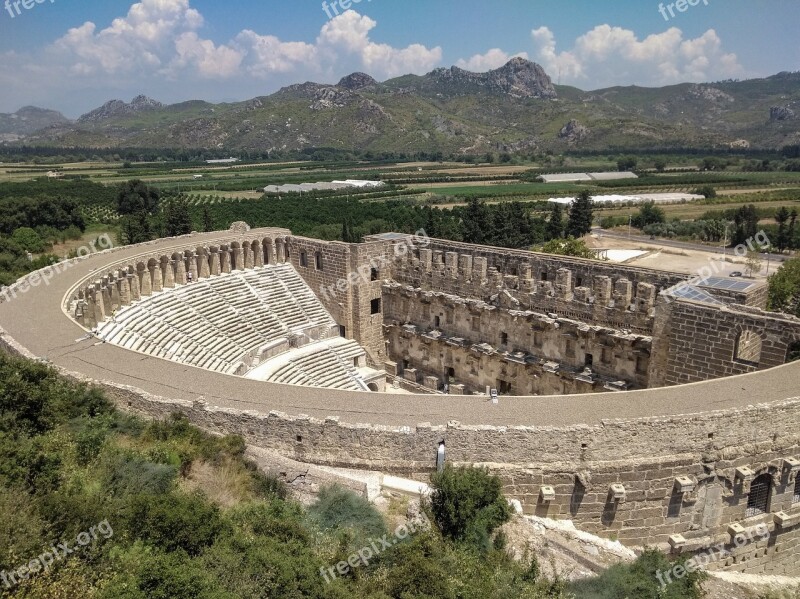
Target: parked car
[[737, 273]]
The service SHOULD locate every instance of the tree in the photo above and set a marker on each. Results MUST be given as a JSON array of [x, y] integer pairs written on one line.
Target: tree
[[706, 191], [568, 247], [468, 504], [208, 221], [746, 221], [660, 164], [136, 228], [784, 288], [783, 239], [627, 163], [753, 263], [177, 220], [555, 224], [135, 196], [28, 239], [580, 216], [712, 163], [348, 234], [475, 223], [649, 214]]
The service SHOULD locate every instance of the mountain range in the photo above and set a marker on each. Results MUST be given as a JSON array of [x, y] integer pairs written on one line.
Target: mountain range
[[514, 108]]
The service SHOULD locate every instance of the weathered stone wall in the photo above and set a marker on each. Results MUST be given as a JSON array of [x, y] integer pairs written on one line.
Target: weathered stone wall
[[580, 462], [588, 290], [697, 342], [531, 352], [348, 284], [322, 264]]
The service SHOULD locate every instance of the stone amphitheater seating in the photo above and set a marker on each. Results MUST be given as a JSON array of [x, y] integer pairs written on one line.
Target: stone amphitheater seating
[[223, 324], [328, 363]]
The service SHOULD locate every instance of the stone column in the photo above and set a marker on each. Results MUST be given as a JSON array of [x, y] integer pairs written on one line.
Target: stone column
[[226, 261], [248, 257], [105, 297], [623, 292], [564, 283], [169, 275], [259, 256], [465, 267], [133, 283], [480, 268], [271, 252], [124, 290], [147, 282], [158, 278], [193, 266], [215, 265], [113, 289], [98, 309], [180, 272], [280, 252], [204, 270]]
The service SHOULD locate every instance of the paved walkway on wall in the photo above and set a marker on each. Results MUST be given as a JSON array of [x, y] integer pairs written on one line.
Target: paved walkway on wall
[[36, 320]]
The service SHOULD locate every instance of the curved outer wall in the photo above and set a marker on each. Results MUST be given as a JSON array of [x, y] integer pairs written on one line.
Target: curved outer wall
[[579, 445]]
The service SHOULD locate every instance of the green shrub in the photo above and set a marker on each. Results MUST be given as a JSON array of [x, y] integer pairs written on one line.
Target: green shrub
[[641, 580], [339, 509], [130, 474], [173, 522], [468, 504]]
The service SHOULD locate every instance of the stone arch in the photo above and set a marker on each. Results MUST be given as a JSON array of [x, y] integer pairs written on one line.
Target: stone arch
[[747, 347], [373, 387], [760, 496], [793, 351]]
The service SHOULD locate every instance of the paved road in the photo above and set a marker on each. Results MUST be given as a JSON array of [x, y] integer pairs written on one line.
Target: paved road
[[36, 320]]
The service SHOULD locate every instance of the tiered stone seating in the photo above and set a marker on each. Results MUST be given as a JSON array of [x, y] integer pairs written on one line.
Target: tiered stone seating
[[324, 364], [222, 322]]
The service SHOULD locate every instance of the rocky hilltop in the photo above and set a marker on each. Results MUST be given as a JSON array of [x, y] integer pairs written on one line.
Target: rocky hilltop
[[27, 120], [515, 108], [117, 108], [357, 81], [519, 78]]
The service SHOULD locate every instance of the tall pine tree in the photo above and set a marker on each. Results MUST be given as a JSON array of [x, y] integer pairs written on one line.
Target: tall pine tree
[[475, 223], [580, 216], [555, 225]]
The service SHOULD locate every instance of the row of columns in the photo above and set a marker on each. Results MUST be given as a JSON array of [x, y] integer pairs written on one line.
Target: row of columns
[[97, 301]]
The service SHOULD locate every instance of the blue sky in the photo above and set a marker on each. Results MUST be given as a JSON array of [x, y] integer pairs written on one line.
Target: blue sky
[[73, 56]]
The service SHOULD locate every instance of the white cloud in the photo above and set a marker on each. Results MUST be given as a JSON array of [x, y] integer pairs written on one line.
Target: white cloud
[[349, 34], [267, 54], [493, 59], [210, 61], [161, 39], [607, 56], [144, 39]]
